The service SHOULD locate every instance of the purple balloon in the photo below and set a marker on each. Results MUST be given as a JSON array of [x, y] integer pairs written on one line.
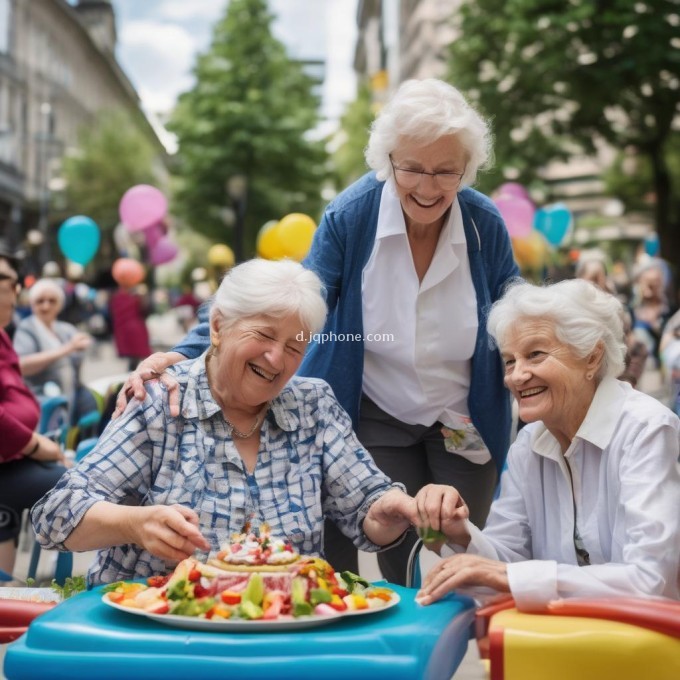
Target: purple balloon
[[141, 207], [164, 251], [517, 213], [154, 234]]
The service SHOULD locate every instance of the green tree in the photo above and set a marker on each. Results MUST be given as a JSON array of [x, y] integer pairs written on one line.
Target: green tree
[[348, 159], [250, 113], [112, 156], [559, 77]]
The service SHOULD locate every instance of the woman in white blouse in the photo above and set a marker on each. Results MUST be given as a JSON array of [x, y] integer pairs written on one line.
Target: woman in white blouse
[[589, 501]]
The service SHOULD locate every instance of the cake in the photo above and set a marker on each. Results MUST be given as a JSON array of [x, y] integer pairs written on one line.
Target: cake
[[255, 576]]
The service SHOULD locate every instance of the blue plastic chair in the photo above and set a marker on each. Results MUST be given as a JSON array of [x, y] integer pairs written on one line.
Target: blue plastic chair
[[64, 567]]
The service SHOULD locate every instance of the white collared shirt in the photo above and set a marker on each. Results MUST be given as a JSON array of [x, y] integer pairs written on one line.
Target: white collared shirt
[[421, 373], [626, 491]]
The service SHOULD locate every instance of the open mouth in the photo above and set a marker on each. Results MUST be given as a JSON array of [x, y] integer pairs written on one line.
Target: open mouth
[[525, 394], [423, 203], [269, 377]]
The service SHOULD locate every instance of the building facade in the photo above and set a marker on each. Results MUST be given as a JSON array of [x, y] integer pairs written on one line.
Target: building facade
[[57, 71]]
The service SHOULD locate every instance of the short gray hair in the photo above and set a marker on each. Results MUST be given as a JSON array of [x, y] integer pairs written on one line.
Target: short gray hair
[[271, 288], [582, 316], [46, 285], [426, 110]]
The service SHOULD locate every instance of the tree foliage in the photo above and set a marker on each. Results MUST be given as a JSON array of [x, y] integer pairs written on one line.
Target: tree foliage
[[112, 156], [348, 159], [249, 113], [559, 77]]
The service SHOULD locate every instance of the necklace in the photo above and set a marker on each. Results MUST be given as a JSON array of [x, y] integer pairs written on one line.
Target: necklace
[[258, 421]]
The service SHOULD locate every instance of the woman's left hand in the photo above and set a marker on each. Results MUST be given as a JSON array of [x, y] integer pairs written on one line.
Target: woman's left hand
[[442, 508], [463, 570]]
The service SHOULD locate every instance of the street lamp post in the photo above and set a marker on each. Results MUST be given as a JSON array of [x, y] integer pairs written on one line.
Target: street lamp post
[[237, 190]]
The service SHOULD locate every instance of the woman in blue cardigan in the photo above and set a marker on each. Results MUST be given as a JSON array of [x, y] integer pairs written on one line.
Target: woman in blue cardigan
[[412, 259]]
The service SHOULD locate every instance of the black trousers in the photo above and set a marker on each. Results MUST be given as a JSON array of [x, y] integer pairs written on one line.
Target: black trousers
[[414, 455]]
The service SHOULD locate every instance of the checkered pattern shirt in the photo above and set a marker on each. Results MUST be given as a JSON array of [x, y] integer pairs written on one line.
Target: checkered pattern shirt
[[310, 466]]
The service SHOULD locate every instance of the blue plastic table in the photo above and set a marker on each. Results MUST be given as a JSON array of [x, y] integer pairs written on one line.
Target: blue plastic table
[[84, 638]]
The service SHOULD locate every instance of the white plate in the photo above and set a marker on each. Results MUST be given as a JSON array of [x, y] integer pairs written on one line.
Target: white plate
[[241, 625]]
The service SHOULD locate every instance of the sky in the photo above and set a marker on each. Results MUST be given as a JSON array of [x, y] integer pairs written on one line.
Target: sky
[[158, 41]]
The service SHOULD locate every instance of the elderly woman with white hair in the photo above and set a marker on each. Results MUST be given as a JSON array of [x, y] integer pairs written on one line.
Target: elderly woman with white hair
[[589, 501], [411, 256], [49, 350], [252, 444]]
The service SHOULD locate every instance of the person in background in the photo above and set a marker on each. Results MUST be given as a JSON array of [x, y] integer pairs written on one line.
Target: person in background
[[593, 269], [650, 307], [252, 444], [127, 311], [30, 463], [411, 257], [50, 351], [589, 502]]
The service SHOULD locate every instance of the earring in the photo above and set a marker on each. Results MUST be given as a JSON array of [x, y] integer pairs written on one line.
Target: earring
[[589, 376]]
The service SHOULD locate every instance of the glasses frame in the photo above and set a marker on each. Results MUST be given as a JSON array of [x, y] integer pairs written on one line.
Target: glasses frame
[[418, 177]]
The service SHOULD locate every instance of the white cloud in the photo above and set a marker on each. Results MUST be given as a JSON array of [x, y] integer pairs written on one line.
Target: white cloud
[[187, 10]]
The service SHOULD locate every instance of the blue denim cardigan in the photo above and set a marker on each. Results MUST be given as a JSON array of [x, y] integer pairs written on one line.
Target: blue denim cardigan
[[341, 248]]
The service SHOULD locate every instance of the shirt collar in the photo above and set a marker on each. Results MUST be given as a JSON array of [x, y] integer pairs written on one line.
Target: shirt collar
[[197, 400], [598, 426]]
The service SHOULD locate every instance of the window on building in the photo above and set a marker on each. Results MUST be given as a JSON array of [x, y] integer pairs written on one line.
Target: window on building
[[5, 24]]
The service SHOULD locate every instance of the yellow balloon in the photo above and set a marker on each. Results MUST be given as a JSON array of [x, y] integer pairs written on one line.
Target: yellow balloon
[[221, 255], [531, 251], [269, 245], [296, 232]]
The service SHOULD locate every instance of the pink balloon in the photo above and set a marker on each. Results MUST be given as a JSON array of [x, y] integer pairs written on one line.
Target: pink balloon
[[141, 207], [514, 189], [517, 213], [164, 251]]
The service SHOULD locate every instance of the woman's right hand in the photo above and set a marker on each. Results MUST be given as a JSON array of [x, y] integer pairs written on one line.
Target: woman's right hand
[[79, 342], [167, 531], [152, 367], [48, 451]]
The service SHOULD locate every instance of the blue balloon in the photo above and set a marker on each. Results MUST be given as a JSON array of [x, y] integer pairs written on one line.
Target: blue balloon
[[652, 245], [79, 238], [553, 222]]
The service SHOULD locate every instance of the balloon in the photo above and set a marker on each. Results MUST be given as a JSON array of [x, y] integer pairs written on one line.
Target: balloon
[[154, 233], [553, 222], [142, 206], [164, 251], [652, 245], [295, 232], [530, 252], [514, 189], [221, 255], [127, 272], [517, 213], [79, 238], [269, 244]]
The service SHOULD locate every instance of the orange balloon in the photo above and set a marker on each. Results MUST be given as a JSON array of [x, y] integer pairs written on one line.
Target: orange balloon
[[127, 272], [530, 252]]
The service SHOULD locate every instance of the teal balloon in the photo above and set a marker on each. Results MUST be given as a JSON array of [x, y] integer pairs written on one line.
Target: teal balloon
[[553, 222], [79, 238], [652, 245]]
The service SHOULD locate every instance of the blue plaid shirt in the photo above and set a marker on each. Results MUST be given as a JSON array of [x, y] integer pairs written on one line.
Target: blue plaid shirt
[[310, 466]]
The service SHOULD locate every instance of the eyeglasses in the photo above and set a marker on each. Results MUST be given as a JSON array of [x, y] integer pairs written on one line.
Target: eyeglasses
[[15, 284], [410, 179]]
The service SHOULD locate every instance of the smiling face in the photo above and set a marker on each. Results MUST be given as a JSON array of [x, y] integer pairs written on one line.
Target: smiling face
[[254, 359], [427, 203], [547, 379]]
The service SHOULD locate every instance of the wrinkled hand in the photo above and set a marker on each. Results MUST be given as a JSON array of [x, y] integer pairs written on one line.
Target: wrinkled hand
[[460, 571], [167, 531], [79, 342], [151, 368], [441, 507], [49, 451]]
